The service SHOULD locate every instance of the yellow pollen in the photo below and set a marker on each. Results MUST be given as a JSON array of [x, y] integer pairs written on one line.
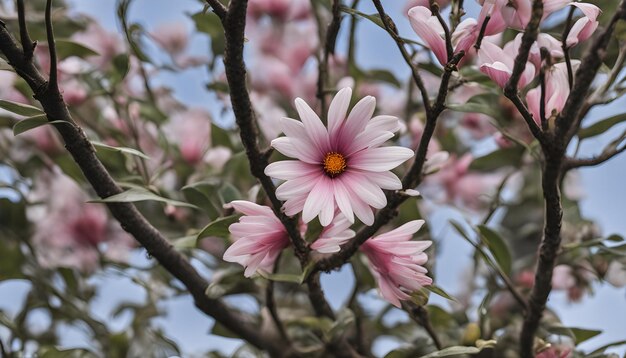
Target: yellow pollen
[[334, 164]]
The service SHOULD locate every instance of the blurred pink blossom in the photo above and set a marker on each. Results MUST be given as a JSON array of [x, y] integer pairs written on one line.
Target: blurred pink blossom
[[69, 231], [397, 262], [557, 91]]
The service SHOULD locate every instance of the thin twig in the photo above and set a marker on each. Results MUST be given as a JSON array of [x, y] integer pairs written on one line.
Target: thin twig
[[545, 59], [53, 84], [434, 8], [234, 24], [519, 65], [481, 34], [28, 46], [608, 153], [217, 7], [419, 314], [270, 303], [568, 62], [328, 48], [391, 28]]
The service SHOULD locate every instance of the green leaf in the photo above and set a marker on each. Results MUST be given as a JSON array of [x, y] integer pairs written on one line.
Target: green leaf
[[375, 18], [439, 291], [53, 352], [67, 48], [20, 108], [283, 277], [125, 150], [578, 334], [498, 159], [498, 248], [345, 318], [29, 123], [485, 103], [582, 334], [601, 126], [452, 351], [219, 227], [382, 76], [140, 194], [218, 329], [186, 242]]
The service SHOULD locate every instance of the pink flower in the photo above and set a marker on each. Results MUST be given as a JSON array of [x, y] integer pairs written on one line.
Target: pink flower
[[396, 262], [553, 352], [557, 91], [259, 238], [70, 232], [191, 130], [563, 278], [342, 165], [584, 27], [172, 37], [106, 44], [281, 9], [498, 65], [334, 235], [428, 28]]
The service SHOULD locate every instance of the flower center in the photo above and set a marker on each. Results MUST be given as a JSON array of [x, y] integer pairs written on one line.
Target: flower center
[[334, 164]]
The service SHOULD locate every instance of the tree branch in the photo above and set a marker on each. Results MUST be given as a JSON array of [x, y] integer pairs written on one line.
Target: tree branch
[[420, 315], [234, 25], [126, 214], [392, 30], [568, 121], [328, 48], [608, 153], [217, 7], [547, 252], [510, 89], [28, 46]]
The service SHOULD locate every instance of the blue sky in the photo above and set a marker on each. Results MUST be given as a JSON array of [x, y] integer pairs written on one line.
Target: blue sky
[[603, 185]]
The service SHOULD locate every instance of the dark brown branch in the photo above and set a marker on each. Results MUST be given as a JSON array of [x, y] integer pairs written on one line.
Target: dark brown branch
[[568, 62], [434, 7], [126, 214], [568, 120], [328, 48], [606, 155], [529, 37], [28, 46], [234, 24], [217, 7], [270, 303], [53, 84], [542, 87], [481, 34], [419, 314], [510, 89], [391, 28], [554, 147], [551, 178]]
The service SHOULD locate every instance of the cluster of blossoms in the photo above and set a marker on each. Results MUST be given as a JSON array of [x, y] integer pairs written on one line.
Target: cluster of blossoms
[[497, 62], [339, 172], [70, 232]]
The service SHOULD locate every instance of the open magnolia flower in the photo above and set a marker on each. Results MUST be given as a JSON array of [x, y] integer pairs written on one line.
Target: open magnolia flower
[[396, 262], [342, 165], [260, 237]]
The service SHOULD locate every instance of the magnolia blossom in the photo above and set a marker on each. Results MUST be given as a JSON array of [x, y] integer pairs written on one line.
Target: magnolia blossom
[[552, 352], [396, 262], [281, 9], [106, 44], [70, 232], [334, 235], [584, 27], [342, 165], [557, 91], [260, 237], [498, 65], [563, 277]]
